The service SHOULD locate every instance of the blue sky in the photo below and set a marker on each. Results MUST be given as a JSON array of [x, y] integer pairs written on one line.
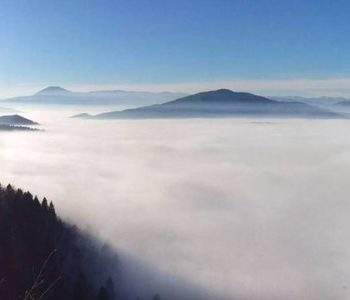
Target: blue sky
[[176, 45]]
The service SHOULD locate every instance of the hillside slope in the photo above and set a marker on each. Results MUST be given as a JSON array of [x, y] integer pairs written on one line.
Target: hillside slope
[[55, 95], [44, 258], [222, 103], [16, 120], [41, 254]]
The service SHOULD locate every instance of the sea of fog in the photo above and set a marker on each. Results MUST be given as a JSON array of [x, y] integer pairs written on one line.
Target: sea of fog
[[250, 209]]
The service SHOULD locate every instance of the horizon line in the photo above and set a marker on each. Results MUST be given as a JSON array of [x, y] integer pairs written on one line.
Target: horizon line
[[303, 87]]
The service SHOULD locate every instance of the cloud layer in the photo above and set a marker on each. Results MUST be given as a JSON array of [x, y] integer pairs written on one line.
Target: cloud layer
[[251, 210]]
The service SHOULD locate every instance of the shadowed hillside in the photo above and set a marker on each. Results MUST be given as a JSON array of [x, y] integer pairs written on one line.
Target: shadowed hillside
[[16, 128], [41, 257], [16, 120]]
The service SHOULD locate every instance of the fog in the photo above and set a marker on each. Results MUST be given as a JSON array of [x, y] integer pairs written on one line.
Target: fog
[[249, 209]]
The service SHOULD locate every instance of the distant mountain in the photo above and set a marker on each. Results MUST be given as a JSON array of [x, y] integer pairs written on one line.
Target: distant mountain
[[17, 128], [344, 102], [54, 91], [82, 116], [322, 101], [222, 103], [55, 95], [16, 120]]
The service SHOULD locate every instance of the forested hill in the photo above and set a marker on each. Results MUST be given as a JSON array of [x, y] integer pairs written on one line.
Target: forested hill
[[41, 257]]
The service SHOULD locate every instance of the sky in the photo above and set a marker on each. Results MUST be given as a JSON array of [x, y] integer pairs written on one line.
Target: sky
[[272, 47]]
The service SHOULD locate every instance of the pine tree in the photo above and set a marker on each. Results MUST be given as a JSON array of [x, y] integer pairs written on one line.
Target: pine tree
[[36, 202], [44, 204], [156, 297], [78, 293], [110, 289], [102, 294], [52, 209]]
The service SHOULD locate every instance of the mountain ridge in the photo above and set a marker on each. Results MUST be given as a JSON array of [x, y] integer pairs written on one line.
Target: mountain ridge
[[53, 90], [321, 101], [55, 95], [345, 102], [16, 120], [221, 103]]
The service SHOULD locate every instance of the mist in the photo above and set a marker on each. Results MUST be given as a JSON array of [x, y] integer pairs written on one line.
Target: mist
[[246, 209]]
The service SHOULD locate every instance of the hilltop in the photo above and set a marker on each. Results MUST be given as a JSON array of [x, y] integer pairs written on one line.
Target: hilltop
[[16, 120], [53, 91], [222, 103]]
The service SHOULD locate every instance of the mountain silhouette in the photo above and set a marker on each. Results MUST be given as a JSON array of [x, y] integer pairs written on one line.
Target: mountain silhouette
[[16, 120], [53, 91], [222, 103], [55, 95]]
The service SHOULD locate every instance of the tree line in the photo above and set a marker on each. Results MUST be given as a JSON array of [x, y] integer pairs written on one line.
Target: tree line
[[43, 258]]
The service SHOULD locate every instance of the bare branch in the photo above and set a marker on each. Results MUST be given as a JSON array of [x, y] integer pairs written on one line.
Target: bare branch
[[39, 280]]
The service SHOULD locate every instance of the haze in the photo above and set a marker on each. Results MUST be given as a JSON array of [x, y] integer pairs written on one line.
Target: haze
[[247, 209]]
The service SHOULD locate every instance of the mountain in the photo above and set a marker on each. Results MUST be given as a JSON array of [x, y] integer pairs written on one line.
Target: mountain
[[343, 102], [16, 120], [319, 101], [17, 128], [55, 95], [54, 91], [222, 103], [82, 116]]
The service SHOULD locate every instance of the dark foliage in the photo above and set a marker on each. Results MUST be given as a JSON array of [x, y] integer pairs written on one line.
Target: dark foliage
[[4, 127], [42, 257]]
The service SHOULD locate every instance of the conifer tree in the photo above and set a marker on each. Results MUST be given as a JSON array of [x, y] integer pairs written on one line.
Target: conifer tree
[[102, 294], [156, 297], [44, 204], [52, 209], [110, 289]]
